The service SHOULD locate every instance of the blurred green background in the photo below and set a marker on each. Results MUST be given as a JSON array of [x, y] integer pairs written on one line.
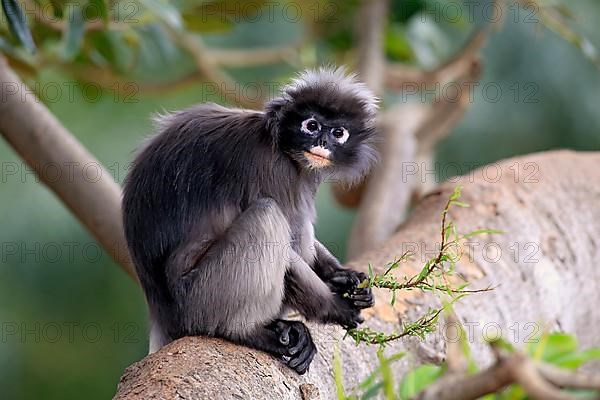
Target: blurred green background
[[71, 319]]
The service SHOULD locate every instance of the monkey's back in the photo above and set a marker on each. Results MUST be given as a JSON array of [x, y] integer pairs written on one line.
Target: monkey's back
[[207, 164]]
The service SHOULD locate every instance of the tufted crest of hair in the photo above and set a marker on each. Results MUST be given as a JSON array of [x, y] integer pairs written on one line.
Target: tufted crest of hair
[[328, 87]]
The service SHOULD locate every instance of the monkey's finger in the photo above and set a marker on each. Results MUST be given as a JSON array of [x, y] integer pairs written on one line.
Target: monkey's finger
[[355, 279], [360, 296], [352, 324], [346, 279], [341, 280], [363, 304], [362, 300]]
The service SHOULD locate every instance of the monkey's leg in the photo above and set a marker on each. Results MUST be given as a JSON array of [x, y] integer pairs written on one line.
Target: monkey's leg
[[340, 280], [234, 288]]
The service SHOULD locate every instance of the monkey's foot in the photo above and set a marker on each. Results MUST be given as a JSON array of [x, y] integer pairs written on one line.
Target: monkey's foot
[[298, 348], [345, 282]]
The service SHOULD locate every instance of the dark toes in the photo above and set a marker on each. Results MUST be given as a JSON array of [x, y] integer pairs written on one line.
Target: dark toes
[[300, 349], [307, 354], [301, 342], [351, 325], [303, 367], [352, 320]]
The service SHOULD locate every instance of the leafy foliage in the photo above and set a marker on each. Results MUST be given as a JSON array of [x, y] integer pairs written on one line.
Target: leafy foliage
[[558, 349], [117, 39], [434, 277]]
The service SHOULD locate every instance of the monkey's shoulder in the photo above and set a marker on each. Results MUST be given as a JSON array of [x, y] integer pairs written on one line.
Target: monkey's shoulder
[[207, 121]]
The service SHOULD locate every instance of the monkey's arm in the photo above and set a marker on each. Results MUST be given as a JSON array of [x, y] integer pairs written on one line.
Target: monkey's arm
[[325, 263], [341, 280], [313, 298]]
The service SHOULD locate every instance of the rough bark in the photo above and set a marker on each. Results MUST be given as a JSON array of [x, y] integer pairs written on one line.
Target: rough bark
[[549, 200]]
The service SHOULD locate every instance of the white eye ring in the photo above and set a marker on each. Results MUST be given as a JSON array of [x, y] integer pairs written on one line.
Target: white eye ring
[[342, 139], [305, 126]]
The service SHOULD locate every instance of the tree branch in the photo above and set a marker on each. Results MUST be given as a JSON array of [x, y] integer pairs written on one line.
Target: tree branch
[[400, 77], [410, 134], [515, 368], [370, 25], [46, 145], [531, 207]]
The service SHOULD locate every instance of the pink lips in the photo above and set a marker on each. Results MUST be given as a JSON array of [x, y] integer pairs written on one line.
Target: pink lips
[[318, 157]]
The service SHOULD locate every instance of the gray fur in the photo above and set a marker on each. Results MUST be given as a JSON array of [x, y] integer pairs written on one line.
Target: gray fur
[[219, 211]]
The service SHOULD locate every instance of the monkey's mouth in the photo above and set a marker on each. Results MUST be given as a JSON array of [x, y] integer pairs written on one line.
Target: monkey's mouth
[[318, 157]]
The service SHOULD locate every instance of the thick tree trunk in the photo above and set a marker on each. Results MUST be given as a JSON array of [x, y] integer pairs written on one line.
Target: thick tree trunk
[[544, 264]]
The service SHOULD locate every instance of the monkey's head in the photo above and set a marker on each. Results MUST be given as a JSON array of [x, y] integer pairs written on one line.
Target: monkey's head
[[324, 121]]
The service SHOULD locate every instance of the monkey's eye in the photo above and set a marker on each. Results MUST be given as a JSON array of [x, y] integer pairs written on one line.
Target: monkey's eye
[[311, 126], [341, 134]]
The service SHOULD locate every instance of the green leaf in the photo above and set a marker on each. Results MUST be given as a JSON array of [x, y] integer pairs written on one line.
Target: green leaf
[[166, 12], [552, 346], [115, 48], [425, 269], [73, 36], [396, 43], [418, 379], [17, 22], [459, 204], [102, 9], [455, 194], [481, 232], [338, 374], [371, 386], [370, 380], [386, 375], [513, 392], [577, 359], [372, 391]]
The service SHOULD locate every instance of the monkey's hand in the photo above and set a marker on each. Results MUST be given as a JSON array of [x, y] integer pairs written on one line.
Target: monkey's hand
[[346, 282]]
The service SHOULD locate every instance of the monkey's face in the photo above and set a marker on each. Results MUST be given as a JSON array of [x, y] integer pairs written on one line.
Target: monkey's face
[[327, 140], [324, 121]]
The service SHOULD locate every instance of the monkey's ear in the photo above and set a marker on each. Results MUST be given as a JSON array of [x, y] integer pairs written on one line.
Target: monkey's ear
[[274, 111]]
